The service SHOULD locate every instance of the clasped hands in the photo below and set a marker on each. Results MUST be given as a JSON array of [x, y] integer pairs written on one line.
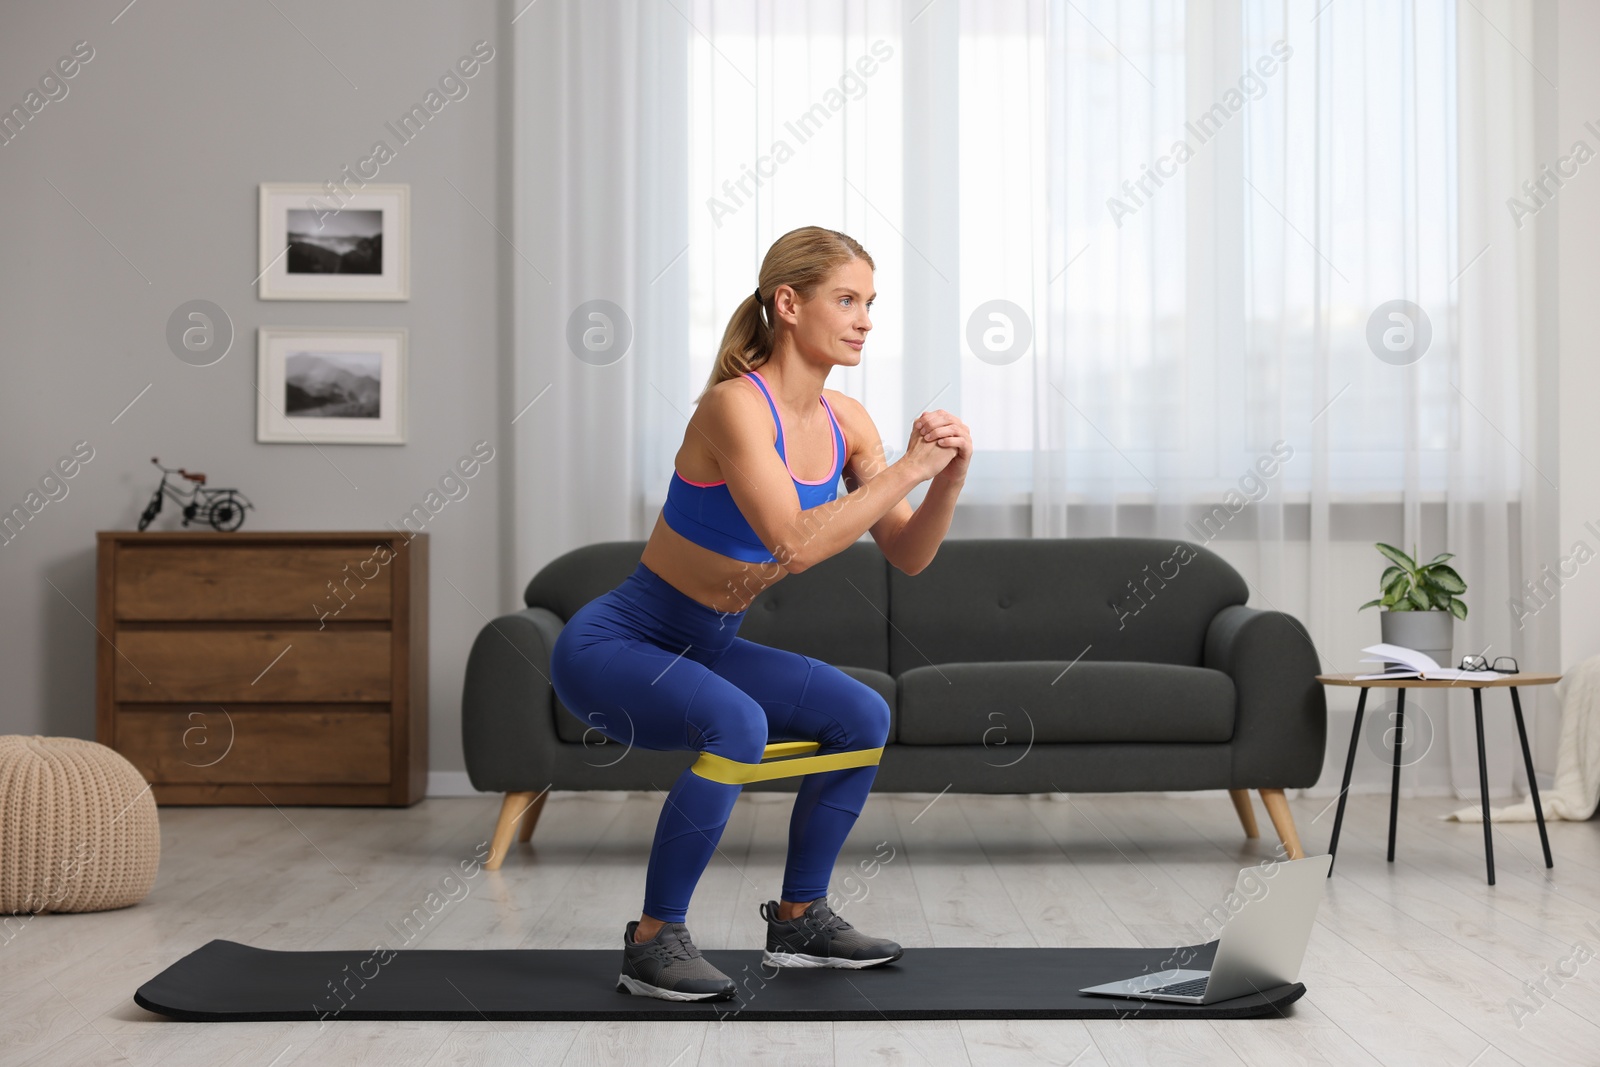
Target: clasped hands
[[942, 428]]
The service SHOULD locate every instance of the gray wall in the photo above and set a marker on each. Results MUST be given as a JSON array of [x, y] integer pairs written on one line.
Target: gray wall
[[136, 192]]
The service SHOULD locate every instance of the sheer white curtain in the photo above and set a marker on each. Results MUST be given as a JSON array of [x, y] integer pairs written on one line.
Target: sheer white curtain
[[1136, 245], [1222, 312]]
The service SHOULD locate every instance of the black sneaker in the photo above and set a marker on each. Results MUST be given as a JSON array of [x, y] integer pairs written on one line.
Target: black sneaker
[[669, 967], [817, 937]]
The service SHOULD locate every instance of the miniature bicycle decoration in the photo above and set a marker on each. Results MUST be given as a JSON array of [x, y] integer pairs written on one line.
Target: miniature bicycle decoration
[[222, 508]]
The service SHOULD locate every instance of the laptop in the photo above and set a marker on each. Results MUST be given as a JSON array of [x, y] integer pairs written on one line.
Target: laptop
[[1260, 946]]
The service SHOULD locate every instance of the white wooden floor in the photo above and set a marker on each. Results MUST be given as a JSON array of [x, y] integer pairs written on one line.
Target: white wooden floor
[[1418, 962]]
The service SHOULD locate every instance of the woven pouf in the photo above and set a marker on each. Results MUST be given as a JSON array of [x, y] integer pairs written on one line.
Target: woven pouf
[[78, 829]]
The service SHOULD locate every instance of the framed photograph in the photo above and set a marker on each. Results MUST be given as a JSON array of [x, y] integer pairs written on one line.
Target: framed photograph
[[331, 385], [318, 246]]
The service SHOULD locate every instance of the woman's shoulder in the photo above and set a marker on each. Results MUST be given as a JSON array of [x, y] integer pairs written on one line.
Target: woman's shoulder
[[740, 389], [847, 409], [729, 403], [838, 401]]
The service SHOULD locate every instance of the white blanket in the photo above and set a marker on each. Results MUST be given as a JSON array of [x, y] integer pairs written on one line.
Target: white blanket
[[1577, 785]]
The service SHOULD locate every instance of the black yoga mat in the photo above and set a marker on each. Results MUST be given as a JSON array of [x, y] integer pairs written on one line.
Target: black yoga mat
[[224, 981]]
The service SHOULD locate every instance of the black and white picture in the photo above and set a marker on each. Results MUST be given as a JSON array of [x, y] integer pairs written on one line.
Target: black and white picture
[[332, 385], [350, 242], [318, 243]]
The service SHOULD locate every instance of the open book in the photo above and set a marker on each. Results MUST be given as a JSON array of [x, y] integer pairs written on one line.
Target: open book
[[1417, 665]]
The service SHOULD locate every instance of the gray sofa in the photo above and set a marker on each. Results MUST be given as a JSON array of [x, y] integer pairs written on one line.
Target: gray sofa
[[1096, 664]]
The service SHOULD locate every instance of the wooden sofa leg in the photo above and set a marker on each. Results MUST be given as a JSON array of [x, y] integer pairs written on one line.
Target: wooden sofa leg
[[531, 819], [1247, 814], [511, 811], [1283, 822]]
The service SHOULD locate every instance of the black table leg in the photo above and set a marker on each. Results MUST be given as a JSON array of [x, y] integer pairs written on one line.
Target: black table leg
[[1394, 787], [1533, 785], [1344, 790], [1483, 782]]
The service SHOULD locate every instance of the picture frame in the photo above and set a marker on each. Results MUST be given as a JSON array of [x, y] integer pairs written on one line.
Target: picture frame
[[331, 385], [320, 245]]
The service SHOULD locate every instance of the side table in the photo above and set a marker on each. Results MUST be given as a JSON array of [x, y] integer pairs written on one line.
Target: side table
[[1511, 682]]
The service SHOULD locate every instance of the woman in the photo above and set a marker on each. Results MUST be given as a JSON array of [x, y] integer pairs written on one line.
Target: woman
[[656, 661]]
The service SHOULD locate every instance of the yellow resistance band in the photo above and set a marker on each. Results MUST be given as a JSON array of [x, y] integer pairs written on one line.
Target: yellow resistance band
[[728, 772]]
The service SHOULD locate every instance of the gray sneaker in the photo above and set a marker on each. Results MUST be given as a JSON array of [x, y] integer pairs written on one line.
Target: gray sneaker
[[817, 937], [669, 967]]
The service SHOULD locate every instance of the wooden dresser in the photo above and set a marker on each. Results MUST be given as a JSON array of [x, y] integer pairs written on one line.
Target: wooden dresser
[[274, 667]]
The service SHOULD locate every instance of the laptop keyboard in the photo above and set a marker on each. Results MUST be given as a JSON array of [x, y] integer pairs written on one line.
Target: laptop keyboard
[[1193, 988]]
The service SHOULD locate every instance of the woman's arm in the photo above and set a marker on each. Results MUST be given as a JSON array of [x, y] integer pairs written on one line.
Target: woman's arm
[[909, 537], [738, 430], [920, 538]]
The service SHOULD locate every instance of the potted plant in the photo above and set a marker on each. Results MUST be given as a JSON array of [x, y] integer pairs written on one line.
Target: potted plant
[[1420, 603]]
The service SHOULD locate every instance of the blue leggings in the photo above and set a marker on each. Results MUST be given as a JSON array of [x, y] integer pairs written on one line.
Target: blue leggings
[[648, 665]]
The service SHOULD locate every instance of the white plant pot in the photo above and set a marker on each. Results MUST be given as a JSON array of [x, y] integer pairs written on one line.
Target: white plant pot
[[1429, 632]]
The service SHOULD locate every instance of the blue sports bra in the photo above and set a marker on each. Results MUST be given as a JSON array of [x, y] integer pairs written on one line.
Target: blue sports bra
[[705, 512]]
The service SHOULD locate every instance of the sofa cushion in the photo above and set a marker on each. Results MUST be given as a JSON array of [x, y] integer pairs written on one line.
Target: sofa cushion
[[574, 578], [985, 600], [570, 729], [1054, 701], [837, 611]]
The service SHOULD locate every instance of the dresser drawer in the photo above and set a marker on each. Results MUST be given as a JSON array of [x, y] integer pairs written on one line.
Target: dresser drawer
[[288, 745], [254, 582], [170, 665], [265, 667]]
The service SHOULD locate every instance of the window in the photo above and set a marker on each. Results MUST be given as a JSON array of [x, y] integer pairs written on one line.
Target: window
[[1192, 222]]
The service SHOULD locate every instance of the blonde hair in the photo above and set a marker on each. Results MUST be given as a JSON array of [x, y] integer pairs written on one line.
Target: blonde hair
[[801, 259]]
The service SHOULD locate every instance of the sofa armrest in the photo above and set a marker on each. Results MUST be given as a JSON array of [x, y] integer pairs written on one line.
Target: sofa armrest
[[508, 734], [1280, 730]]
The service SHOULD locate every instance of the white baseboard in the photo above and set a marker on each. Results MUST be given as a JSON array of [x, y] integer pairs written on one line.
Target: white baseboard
[[450, 784]]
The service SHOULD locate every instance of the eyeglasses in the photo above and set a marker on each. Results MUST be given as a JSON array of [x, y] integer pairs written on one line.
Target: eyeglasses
[[1503, 664]]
